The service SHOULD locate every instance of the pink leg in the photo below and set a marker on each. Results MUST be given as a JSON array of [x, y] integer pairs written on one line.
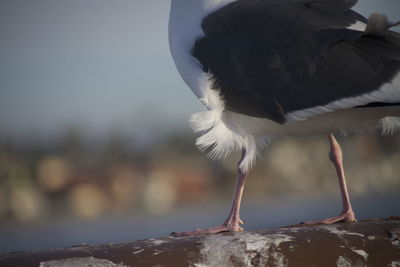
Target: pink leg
[[232, 223], [336, 157]]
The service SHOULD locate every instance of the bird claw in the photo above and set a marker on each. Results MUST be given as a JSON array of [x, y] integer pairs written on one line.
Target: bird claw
[[347, 217], [207, 231], [230, 225]]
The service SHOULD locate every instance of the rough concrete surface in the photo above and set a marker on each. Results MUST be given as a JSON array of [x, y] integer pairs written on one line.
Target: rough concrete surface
[[366, 243]]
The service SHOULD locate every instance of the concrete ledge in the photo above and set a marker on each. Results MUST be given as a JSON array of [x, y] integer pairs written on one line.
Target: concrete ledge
[[366, 243]]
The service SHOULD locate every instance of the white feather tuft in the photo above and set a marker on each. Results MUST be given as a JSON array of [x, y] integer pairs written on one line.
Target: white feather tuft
[[222, 133], [390, 125]]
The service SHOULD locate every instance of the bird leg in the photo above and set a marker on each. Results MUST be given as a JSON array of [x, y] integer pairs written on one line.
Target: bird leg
[[336, 157], [232, 223]]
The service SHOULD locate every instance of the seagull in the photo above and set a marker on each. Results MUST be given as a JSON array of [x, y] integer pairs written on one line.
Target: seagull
[[268, 68]]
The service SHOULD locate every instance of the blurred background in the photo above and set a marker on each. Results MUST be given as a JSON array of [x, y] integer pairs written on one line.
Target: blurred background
[[95, 145]]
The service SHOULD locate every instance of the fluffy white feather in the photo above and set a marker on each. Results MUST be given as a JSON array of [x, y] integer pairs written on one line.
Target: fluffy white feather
[[390, 125], [225, 131]]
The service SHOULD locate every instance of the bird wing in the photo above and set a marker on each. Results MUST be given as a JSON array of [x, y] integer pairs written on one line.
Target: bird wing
[[288, 60]]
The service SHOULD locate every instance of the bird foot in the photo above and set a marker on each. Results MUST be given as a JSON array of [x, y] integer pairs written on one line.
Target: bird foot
[[229, 226], [347, 216]]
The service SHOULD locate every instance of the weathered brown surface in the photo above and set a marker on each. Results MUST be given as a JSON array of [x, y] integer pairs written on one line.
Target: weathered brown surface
[[366, 243]]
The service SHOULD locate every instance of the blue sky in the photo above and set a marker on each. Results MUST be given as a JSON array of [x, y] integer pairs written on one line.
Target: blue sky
[[96, 64]]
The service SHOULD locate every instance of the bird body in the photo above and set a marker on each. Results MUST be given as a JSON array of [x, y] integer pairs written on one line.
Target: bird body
[[252, 95], [266, 68]]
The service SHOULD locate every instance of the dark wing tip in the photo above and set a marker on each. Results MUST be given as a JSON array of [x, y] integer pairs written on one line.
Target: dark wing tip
[[331, 6]]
